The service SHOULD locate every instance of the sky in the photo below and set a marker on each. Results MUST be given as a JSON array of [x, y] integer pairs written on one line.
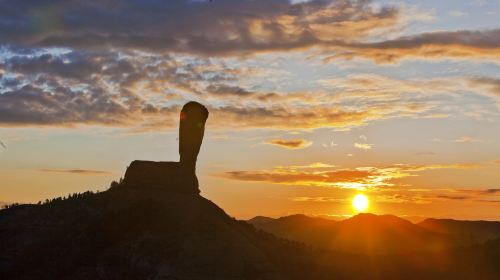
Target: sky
[[311, 102]]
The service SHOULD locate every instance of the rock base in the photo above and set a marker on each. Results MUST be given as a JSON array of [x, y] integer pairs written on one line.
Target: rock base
[[170, 176]]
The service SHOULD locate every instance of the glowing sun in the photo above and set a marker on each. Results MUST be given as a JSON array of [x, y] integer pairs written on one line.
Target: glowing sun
[[360, 202]]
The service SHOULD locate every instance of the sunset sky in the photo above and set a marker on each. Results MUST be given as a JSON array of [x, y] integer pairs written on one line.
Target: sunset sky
[[311, 102]]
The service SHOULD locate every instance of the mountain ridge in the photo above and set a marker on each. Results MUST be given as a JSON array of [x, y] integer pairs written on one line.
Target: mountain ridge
[[380, 234]]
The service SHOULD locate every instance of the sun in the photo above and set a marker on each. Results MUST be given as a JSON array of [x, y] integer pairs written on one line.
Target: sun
[[360, 202]]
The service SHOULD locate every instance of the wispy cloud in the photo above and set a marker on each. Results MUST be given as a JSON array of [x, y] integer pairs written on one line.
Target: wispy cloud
[[75, 171], [435, 45], [318, 199], [395, 195], [467, 139], [492, 85], [363, 146], [480, 195], [293, 144], [356, 178]]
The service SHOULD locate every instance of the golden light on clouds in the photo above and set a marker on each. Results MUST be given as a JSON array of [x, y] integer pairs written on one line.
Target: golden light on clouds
[[363, 146], [325, 175], [293, 144]]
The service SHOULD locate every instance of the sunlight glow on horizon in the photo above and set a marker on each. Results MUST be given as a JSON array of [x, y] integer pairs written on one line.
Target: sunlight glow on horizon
[[360, 202]]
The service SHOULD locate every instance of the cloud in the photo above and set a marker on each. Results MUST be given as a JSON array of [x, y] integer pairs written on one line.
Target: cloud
[[480, 195], [34, 105], [144, 92], [136, 93], [227, 91], [309, 117], [452, 197], [351, 178], [196, 27], [300, 178], [221, 28], [363, 146], [446, 44], [402, 195], [293, 144], [491, 191], [467, 139], [492, 85], [96, 88], [316, 165], [318, 199], [76, 171], [378, 87]]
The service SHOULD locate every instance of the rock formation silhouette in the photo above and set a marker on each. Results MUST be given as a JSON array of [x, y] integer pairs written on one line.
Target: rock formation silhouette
[[174, 176]]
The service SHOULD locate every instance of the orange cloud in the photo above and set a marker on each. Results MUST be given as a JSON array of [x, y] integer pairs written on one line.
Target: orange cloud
[[454, 44], [491, 84], [293, 144], [397, 195], [76, 171], [356, 178], [318, 199], [288, 116]]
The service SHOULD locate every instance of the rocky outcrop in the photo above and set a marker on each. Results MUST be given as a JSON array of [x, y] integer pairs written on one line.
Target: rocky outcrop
[[169, 176], [174, 176]]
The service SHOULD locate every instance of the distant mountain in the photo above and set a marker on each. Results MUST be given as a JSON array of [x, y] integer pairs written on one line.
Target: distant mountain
[[376, 235], [414, 219], [470, 232]]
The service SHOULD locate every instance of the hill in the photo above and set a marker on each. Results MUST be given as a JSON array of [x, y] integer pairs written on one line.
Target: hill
[[469, 232], [378, 235], [127, 233]]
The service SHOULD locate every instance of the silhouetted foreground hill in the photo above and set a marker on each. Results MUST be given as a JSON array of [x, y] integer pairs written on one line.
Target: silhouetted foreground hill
[[134, 233], [128, 233], [375, 235]]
